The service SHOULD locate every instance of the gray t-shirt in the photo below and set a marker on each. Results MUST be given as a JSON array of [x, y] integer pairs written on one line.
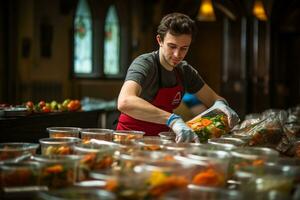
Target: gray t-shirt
[[144, 70]]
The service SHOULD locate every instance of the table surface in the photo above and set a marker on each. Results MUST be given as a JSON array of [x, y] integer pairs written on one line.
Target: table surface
[[32, 127]]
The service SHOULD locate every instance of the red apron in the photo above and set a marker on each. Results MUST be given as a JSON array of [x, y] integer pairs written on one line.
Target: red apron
[[166, 99]]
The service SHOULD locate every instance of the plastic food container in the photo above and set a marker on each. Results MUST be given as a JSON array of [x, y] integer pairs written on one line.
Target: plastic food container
[[161, 178], [265, 179], [151, 143], [167, 136], [57, 132], [96, 133], [291, 163], [252, 156], [215, 146], [178, 148], [125, 185], [58, 146], [13, 150], [94, 157], [58, 171], [124, 136], [76, 193], [19, 174], [200, 192], [129, 161], [214, 171], [227, 140]]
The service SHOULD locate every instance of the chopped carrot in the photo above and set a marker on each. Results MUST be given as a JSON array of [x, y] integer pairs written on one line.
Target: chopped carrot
[[54, 169], [206, 122], [104, 163], [209, 177], [111, 185], [64, 150], [258, 162], [88, 159], [168, 158], [169, 183], [152, 147]]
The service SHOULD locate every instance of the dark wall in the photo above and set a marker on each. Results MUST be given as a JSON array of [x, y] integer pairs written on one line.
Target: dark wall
[[8, 50]]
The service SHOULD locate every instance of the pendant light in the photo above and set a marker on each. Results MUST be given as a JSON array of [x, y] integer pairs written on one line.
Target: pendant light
[[259, 10], [206, 11]]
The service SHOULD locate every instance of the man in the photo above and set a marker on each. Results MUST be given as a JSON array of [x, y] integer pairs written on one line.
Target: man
[[156, 81]]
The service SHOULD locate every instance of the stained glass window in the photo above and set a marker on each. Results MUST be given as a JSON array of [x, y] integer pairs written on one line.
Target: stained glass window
[[112, 43], [83, 39]]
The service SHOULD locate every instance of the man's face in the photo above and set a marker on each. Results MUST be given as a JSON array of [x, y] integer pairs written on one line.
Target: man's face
[[173, 49]]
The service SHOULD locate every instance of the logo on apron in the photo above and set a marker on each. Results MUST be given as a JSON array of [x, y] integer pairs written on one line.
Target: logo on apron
[[177, 98]]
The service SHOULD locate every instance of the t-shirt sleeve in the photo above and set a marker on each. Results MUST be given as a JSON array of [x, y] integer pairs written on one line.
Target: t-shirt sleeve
[[193, 82], [140, 69]]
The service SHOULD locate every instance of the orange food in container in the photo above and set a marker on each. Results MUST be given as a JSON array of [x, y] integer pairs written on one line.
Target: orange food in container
[[94, 157], [56, 132], [13, 150], [96, 133], [58, 171], [58, 146], [125, 136], [151, 143], [20, 174], [251, 156]]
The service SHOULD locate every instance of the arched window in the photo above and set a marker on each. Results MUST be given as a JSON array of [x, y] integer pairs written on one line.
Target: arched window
[[83, 39], [111, 43]]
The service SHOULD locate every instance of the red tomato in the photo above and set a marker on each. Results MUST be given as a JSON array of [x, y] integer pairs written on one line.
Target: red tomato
[[74, 105], [42, 104], [71, 106], [78, 104], [46, 109], [29, 104]]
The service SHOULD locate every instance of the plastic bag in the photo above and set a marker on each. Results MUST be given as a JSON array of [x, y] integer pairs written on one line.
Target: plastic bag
[[212, 125], [266, 132]]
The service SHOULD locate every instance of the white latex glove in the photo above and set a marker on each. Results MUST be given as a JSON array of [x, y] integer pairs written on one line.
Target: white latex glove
[[233, 118], [182, 131]]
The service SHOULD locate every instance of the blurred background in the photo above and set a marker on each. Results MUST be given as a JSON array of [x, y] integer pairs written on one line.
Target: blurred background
[[246, 50]]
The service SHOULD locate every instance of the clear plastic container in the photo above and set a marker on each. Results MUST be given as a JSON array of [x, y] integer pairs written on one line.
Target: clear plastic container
[[96, 133], [57, 132], [291, 163], [252, 156], [58, 146], [178, 148], [227, 140], [151, 143], [125, 136], [125, 184], [76, 193], [129, 161], [264, 179], [214, 172], [163, 177], [195, 192], [58, 171], [215, 146], [168, 135], [14, 150], [20, 174], [94, 157], [145, 181]]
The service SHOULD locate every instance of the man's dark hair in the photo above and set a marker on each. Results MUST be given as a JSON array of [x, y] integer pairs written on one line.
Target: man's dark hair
[[176, 24]]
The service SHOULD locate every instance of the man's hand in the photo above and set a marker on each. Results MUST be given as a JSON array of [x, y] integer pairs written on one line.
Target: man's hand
[[182, 131], [233, 118]]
